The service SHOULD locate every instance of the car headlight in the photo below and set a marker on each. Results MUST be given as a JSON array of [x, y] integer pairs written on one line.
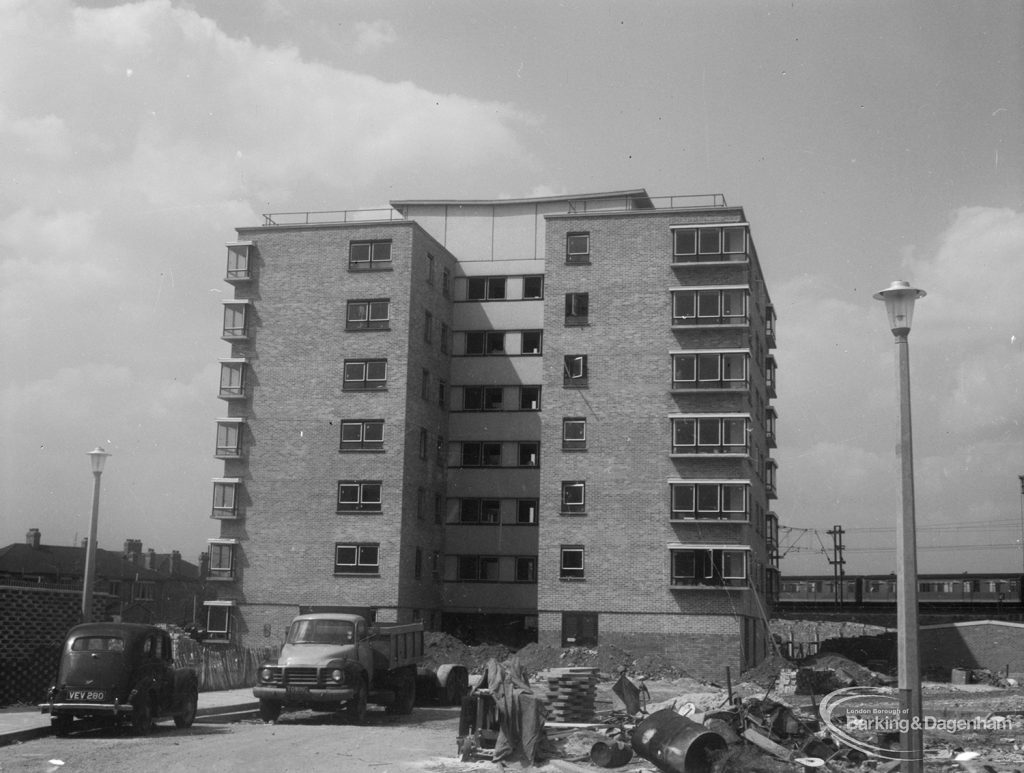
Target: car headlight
[[338, 675], [266, 674]]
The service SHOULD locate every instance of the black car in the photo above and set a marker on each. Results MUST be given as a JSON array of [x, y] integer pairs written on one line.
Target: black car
[[121, 671]]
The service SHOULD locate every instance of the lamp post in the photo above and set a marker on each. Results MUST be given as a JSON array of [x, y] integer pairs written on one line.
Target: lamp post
[[98, 457], [899, 300], [1021, 516]]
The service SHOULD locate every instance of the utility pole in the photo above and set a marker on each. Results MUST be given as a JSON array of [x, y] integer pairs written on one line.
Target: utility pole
[[837, 562]]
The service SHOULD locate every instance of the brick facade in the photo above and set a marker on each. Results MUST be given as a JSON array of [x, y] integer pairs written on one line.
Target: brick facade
[[439, 558]]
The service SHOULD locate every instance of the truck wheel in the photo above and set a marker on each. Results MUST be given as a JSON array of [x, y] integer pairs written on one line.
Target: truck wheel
[[142, 716], [188, 713], [355, 709], [269, 710], [61, 724], [405, 693]]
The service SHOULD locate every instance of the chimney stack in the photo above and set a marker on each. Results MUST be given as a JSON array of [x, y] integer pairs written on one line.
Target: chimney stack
[[32, 538], [150, 559], [175, 565]]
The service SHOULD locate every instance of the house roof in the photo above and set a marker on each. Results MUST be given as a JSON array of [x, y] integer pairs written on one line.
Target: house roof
[[61, 561]]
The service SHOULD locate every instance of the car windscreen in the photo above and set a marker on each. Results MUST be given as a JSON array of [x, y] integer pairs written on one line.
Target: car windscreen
[[321, 632], [97, 644]]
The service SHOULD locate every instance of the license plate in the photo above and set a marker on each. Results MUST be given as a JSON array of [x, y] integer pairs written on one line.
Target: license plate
[[86, 695], [297, 693]]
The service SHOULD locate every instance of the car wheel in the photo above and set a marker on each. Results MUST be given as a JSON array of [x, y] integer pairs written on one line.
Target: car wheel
[[188, 713], [61, 724], [269, 710], [356, 708], [142, 716], [456, 685]]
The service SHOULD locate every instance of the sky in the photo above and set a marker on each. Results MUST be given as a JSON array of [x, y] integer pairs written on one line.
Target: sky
[[867, 142]]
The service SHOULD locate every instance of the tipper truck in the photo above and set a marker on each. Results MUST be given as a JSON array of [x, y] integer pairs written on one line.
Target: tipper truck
[[332, 661]]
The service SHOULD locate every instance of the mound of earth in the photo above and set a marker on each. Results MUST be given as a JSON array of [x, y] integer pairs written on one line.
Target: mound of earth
[[606, 658]]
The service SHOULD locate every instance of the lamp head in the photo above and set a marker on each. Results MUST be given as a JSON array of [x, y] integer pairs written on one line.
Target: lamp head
[[899, 300], [98, 457]]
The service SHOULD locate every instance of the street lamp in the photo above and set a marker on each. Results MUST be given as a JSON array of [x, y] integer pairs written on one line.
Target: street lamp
[[1021, 516], [899, 300], [97, 457]]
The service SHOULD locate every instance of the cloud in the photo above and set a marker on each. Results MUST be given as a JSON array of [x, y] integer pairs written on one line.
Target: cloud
[[372, 35], [838, 415], [133, 139]]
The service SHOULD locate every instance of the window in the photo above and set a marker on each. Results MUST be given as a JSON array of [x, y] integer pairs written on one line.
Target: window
[[479, 398], [362, 434], [577, 247], [238, 261], [442, 393], [529, 398], [425, 384], [423, 443], [575, 370], [526, 569], [445, 335], [486, 511], [709, 370], [726, 306], [232, 379], [769, 375], [218, 620], [574, 497], [430, 269], [357, 558], [714, 243], [570, 566], [146, 591], [222, 559], [477, 569], [368, 314], [438, 508], [526, 511], [533, 287], [529, 454], [485, 342], [446, 282], [229, 439], [708, 566], [485, 288], [574, 434], [235, 319], [428, 327], [579, 629], [365, 374], [531, 342], [481, 454], [576, 308], [225, 497], [710, 435], [769, 477], [421, 502], [369, 255], [359, 496], [441, 451], [417, 567], [769, 426], [711, 500]]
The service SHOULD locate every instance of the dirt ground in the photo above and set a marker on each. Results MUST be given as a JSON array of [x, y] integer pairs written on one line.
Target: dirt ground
[[426, 741]]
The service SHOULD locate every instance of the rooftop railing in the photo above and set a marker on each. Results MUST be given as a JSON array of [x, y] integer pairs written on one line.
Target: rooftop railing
[[332, 216], [573, 206]]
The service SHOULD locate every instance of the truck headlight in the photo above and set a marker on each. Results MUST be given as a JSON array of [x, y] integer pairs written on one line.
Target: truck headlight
[[337, 675], [266, 674]]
